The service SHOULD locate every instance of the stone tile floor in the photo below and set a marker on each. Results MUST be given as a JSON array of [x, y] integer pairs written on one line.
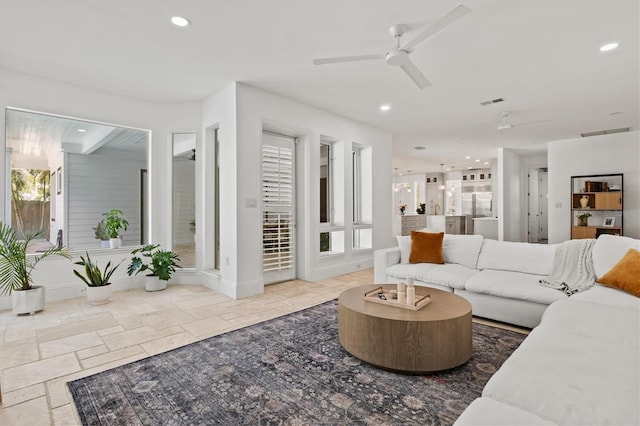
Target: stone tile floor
[[71, 339]]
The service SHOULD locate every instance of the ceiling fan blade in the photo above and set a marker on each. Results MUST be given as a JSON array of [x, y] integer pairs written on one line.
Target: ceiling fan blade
[[531, 122], [437, 26], [323, 61], [415, 74]]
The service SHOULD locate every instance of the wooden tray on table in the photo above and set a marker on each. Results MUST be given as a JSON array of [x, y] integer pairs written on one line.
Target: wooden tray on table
[[422, 298]]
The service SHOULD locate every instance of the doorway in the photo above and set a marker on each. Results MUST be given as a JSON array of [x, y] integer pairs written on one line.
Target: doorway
[[278, 208], [538, 208]]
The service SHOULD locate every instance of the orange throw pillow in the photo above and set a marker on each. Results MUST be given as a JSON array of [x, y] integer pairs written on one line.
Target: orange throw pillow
[[625, 275], [426, 247]]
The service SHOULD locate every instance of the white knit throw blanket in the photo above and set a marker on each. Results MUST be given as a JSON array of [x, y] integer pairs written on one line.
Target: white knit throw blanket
[[572, 267]]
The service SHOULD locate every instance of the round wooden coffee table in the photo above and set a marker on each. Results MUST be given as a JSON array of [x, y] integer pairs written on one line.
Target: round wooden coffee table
[[434, 338]]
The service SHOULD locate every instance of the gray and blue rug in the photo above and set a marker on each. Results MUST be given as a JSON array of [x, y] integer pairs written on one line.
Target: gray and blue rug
[[287, 371]]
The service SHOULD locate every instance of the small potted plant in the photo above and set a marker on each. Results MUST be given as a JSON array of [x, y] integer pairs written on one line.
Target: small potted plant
[[101, 234], [98, 284], [160, 263], [115, 223], [583, 219], [16, 268], [402, 208]]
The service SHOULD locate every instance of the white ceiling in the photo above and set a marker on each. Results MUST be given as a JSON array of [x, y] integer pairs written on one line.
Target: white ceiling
[[541, 56]]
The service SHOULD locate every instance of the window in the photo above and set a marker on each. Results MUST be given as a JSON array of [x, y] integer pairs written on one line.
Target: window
[[361, 196], [325, 183], [356, 184], [325, 195]]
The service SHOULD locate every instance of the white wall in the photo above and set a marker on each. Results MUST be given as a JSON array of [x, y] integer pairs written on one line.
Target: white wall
[[510, 196], [257, 110], [605, 154]]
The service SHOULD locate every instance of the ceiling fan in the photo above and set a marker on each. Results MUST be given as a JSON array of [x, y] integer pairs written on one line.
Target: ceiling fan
[[398, 55], [506, 125]]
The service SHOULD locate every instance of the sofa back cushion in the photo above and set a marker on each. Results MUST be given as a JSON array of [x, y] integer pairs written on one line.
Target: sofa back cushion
[[518, 257], [608, 250], [462, 249]]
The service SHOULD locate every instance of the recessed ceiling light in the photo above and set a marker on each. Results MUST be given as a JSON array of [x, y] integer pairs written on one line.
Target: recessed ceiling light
[[82, 130], [477, 161], [469, 168], [609, 46], [486, 162], [467, 158], [180, 21], [385, 107], [446, 170]]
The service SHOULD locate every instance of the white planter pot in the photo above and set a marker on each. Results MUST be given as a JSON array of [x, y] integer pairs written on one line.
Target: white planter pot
[[99, 295], [105, 244], [153, 283], [115, 243], [28, 301]]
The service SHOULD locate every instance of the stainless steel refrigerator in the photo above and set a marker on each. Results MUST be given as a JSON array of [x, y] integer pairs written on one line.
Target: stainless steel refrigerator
[[477, 201]]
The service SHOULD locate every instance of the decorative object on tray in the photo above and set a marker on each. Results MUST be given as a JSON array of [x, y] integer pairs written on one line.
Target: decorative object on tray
[[402, 208], [378, 295]]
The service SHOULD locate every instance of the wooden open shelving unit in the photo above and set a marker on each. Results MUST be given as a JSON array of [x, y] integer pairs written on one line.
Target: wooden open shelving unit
[[606, 202]]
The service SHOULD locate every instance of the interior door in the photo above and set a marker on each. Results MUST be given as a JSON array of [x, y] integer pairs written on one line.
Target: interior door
[[534, 207], [278, 208], [544, 205]]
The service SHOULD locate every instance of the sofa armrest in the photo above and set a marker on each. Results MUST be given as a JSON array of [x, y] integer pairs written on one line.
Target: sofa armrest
[[382, 259]]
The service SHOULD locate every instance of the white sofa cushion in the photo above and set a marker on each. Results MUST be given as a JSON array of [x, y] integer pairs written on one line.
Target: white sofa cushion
[[512, 285], [608, 250], [450, 275], [416, 270], [462, 249], [519, 257], [489, 412], [609, 296], [580, 366]]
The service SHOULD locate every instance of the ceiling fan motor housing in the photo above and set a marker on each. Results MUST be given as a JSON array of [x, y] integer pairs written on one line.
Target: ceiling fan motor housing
[[397, 57]]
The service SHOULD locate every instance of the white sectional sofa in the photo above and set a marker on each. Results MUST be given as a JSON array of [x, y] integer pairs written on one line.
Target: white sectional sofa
[[579, 366], [500, 279]]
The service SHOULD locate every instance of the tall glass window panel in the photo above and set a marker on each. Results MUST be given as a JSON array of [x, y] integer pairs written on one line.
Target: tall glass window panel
[[184, 200]]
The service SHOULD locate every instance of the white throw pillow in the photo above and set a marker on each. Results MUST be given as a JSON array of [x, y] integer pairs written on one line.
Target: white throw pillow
[[404, 242]]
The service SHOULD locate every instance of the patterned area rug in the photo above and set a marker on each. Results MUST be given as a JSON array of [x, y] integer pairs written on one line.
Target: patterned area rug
[[286, 371]]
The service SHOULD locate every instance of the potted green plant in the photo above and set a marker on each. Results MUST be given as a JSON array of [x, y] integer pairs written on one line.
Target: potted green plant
[[16, 267], [115, 223], [97, 281], [101, 234], [160, 263], [583, 218], [422, 209]]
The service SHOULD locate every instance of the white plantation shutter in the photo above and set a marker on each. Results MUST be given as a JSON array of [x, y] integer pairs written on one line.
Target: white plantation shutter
[[278, 207]]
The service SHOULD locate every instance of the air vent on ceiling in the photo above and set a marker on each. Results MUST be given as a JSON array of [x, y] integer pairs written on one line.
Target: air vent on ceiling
[[605, 132], [492, 101]]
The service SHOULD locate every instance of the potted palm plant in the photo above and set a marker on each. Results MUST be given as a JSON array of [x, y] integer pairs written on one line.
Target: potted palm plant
[[16, 267], [98, 284], [115, 223], [160, 263]]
